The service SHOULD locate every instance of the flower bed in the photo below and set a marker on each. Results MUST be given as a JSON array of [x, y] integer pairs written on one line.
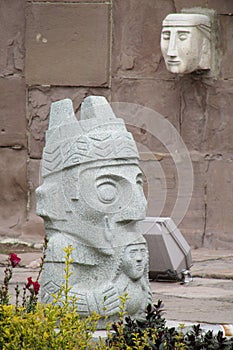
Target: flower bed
[[30, 324]]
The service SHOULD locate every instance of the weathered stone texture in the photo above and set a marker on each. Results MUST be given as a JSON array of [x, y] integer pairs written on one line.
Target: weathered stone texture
[[12, 112], [67, 44], [193, 93], [164, 188], [206, 115], [12, 27], [226, 25], [219, 204], [181, 4], [40, 100], [222, 7], [136, 37], [70, 1], [193, 223], [13, 184], [34, 180], [161, 185], [33, 229], [159, 97], [219, 127]]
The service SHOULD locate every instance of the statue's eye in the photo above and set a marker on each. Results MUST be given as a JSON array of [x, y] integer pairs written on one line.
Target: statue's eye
[[166, 35], [107, 192], [139, 180], [132, 253], [183, 36]]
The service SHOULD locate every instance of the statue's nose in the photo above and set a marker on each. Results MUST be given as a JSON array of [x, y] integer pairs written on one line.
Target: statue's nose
[[40, 202], [136, 208], [139, 256]]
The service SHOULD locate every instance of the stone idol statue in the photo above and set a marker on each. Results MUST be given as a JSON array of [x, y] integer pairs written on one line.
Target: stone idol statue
[[185, 42], [92, 199]]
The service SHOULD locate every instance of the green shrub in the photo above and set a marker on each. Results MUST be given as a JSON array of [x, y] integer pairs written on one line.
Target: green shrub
[[153, 334], [33, 325], [57, 326]]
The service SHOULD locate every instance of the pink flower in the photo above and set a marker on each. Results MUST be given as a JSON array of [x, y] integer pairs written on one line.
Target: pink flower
[[35, 285], [29, 284], [14, 259]]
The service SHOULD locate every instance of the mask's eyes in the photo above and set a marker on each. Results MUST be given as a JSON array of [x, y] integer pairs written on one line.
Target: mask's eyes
[[183, 35], [166, 35], [107, 192]]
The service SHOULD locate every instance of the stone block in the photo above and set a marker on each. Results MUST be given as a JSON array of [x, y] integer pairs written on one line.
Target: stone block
[[158, 97], [193, 112], [12, 112], [136, 38], [34, 180], [164, 189], [221, 7], [12, 28], [219, 224], [67, 44], [181, 4], [33, 230], [206, 115], [69, 1], [13, 186], [193, 224], [218, 126], [39, 104], [226, 33], [160, 183]]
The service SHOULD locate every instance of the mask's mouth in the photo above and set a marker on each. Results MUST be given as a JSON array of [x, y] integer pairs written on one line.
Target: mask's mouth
[[173, 62]]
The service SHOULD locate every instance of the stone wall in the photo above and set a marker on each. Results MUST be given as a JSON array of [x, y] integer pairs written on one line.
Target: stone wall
[[61, 48]]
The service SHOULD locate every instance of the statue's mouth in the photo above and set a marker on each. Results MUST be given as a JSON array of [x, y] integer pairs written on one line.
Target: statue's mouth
[[139, 267], [125, 222]]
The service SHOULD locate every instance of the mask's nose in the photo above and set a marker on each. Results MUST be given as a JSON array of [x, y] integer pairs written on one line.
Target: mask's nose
[[172, 47]]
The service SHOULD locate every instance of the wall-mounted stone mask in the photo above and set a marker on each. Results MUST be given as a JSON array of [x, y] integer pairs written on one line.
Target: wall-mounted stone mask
[[185, 42]]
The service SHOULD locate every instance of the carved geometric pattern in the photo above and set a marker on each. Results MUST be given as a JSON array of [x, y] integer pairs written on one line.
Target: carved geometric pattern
[[88, 148], [111, 146], [51, 159]]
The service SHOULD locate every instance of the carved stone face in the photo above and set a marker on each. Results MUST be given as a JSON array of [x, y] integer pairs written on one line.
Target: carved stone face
[[185, 47], [106, 199], [111, 192], [135, 260]]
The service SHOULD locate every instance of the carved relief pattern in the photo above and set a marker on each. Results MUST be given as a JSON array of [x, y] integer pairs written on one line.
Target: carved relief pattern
[[85, 149]]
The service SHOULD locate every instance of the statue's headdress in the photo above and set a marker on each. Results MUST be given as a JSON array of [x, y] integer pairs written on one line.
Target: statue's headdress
[[99, 135]]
